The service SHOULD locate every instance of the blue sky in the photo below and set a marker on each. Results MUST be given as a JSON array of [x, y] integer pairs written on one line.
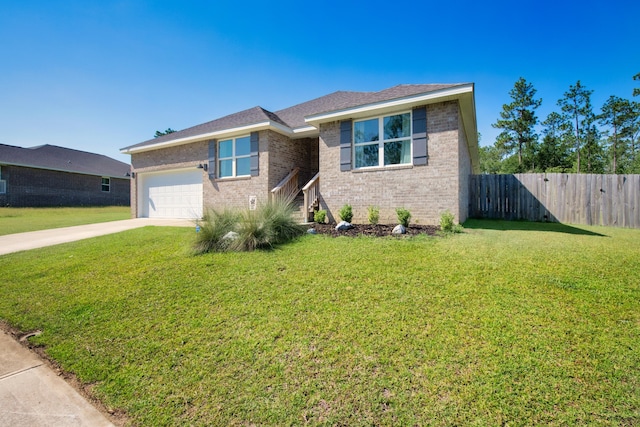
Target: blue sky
[[101, 75]]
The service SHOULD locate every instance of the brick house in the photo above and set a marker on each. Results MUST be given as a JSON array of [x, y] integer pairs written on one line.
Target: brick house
[[48, 175], [411, 146]]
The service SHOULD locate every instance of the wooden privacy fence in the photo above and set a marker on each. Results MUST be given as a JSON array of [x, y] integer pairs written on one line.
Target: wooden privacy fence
[[612, 200]]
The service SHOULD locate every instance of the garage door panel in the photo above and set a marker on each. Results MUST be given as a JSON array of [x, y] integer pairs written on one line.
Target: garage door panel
[[176, 194]]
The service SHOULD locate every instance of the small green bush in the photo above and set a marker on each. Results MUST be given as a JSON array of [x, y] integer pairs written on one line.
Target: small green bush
[[213, 227], [404, 216], [373, 214], [448, 223], [346, 213], [320, 216]]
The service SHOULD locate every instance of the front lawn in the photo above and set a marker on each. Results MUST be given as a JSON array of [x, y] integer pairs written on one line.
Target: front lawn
[[20, 220], [507, 324]]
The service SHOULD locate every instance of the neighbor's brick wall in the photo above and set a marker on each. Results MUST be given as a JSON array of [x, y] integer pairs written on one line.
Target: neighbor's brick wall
[[31, 187], [426, 191]]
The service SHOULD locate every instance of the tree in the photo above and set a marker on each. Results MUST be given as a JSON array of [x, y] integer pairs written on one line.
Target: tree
[[553, 154], [576, 105], [613, 113], [517, 121], [490, 159], [636, 91], [166, 132]]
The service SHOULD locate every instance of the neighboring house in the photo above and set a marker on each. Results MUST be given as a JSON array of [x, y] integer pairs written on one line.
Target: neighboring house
[[411, 146], [56, 176]]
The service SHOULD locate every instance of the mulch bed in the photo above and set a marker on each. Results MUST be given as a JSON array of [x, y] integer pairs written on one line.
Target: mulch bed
[[378, 230]]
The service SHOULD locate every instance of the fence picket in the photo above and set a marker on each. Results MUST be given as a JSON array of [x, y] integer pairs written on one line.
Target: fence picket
[[611, 200]]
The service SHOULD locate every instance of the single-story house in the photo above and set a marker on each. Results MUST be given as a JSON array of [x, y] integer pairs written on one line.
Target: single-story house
[[410, 146], [48, 175]]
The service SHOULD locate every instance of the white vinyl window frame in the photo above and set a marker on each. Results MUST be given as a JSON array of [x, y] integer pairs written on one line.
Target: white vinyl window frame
[[234, 157], [379, 143], [106, 184]]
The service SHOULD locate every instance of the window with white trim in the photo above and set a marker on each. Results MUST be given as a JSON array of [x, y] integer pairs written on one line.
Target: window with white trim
[[106, 184], [382, 141], [234, 157]]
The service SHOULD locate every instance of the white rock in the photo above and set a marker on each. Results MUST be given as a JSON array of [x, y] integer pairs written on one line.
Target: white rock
[[399, 229]]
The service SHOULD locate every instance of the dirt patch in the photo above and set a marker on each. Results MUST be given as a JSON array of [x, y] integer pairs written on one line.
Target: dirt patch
[[378, 230]]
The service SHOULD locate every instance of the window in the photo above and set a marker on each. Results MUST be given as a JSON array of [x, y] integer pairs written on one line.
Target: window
[[393, 148], [106, 184], [3, 183], [234, 157]]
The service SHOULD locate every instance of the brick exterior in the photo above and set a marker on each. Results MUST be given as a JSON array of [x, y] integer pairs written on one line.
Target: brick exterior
[[426, 191], [32, 187], [278, 155]]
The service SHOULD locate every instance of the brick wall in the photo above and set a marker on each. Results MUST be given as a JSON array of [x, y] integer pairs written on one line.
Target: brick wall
[[30, 187], [426, 191], [278, 155]]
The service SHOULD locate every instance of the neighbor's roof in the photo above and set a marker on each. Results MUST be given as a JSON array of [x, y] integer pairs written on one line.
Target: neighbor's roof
[[52, 157], [301, 119]]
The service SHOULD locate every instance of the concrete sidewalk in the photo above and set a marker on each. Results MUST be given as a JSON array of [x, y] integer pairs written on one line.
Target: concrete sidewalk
[[38, 239], [31, 394]]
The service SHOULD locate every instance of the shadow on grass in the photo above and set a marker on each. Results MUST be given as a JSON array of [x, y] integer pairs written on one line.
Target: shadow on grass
[[488, 224]]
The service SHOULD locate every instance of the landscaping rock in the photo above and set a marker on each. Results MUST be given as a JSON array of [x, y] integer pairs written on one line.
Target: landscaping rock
[[312, 231], [232, 235], [343, 226], [399, 229]]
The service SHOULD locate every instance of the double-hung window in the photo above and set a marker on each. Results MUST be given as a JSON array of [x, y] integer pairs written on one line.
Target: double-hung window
[[106, 184], [382, 141], [234, 157]]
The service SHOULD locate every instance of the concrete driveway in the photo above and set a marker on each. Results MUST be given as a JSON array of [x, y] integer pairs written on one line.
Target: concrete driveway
[[38, 239]]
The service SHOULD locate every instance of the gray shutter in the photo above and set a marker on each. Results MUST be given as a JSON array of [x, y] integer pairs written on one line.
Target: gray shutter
[[213, 151], [419, 136], [346, 127], [255, 159]]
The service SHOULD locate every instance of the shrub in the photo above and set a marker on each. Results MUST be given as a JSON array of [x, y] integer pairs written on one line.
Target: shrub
[[346, 213], [320, 216], [213, 227], [448, 223], [373, 214], [404, 216], [272, 223]]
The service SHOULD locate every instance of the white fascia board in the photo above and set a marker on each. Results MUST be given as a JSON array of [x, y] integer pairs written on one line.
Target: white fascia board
[[225, 133], [383, 106]]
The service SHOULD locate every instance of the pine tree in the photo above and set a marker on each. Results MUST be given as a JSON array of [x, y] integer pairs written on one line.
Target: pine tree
[[517, 121], [576, 105]]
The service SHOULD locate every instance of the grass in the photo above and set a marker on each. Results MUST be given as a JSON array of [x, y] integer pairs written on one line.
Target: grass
[[527, 326], [20, 220]]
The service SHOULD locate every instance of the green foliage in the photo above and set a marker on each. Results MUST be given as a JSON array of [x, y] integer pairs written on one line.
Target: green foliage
[[404, 216], [346, 213], [517, 121], [448, 223], [271, 224], [320, 216], [373, 214], [166, 132]]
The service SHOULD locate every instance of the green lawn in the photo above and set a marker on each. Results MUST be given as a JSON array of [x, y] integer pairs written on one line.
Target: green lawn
[[507, 324], [20, 220]]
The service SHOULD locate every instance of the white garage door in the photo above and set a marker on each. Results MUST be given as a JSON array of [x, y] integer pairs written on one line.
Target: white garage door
[[176, 194]]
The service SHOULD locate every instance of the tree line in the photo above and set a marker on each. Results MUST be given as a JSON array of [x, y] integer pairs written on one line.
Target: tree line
[[575, 138]]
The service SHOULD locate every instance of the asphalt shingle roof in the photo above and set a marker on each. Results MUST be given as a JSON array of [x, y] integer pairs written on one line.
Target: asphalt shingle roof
[[294, 117], [63, 159]]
